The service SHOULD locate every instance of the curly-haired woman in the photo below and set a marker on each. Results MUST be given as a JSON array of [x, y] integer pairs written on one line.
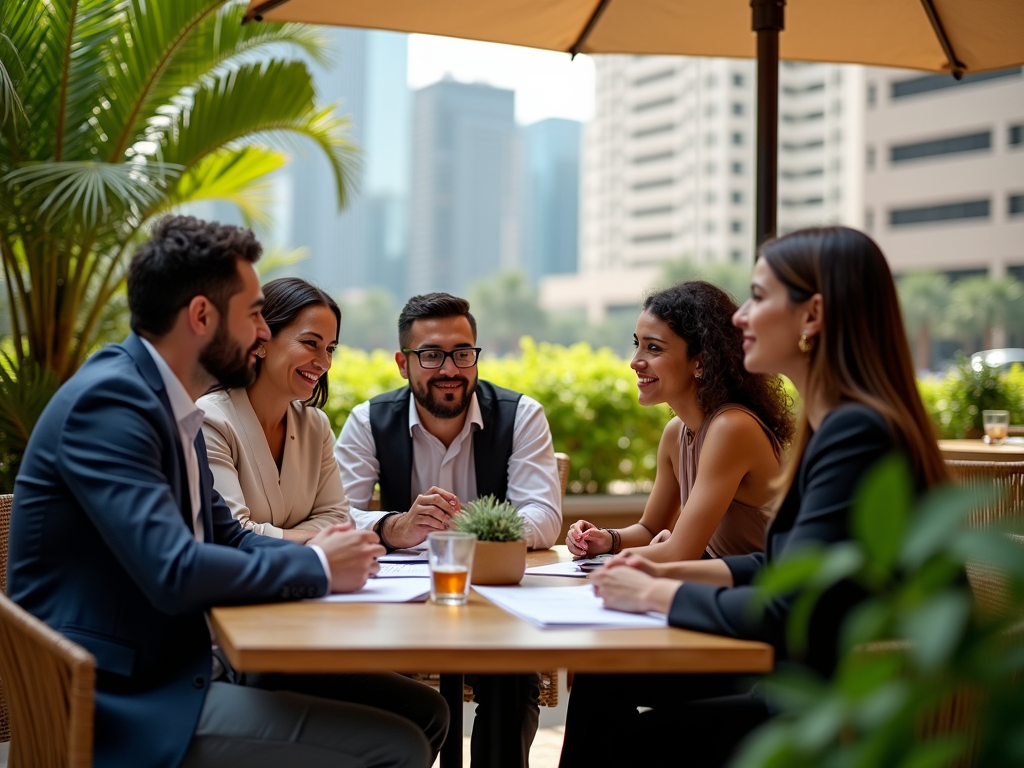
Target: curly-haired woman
[[719, 455]]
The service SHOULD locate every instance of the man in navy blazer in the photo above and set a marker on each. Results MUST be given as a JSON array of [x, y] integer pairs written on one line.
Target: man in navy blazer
[[120, 542]]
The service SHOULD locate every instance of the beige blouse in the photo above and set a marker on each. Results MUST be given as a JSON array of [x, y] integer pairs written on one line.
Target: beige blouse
[[741, 530], [306, 494]]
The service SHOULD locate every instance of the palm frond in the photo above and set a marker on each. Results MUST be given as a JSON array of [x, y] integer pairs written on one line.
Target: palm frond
[[11, 71], [273, 100], [26, 389], [235, 175], [277, 259], [90, 191]]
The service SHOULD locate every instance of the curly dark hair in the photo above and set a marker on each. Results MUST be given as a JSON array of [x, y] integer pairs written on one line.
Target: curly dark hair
[[431, 306], [701, 315], [185, 257]]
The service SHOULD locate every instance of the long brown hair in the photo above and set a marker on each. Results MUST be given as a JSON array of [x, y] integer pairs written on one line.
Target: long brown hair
[[861, 354], [701, 315]]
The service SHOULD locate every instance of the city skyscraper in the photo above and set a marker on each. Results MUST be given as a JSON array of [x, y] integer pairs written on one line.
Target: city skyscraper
[[551, 191], [366, 243], [464, 221]]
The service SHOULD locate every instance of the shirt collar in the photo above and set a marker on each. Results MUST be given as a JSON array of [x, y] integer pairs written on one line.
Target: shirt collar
[[187, 414], [473, 415]]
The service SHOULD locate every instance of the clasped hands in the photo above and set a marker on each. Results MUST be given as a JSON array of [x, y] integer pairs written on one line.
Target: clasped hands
[[632, 583]]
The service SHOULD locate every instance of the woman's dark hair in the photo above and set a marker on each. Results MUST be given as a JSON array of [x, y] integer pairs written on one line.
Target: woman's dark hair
[[861, 354], [701, 315], [285, 299]]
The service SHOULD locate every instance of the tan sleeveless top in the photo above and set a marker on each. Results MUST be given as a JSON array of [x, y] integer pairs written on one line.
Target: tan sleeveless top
[[742, 528]]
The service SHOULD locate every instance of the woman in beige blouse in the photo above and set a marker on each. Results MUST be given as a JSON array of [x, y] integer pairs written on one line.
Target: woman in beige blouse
[[719, 455], [270, 445], [271, 450]]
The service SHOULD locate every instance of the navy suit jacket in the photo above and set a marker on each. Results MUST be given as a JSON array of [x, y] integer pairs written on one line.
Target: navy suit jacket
[[102, 549], [816, 510]]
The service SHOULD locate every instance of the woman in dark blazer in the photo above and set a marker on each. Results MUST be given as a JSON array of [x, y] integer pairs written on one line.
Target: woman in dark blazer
[[823, 311]]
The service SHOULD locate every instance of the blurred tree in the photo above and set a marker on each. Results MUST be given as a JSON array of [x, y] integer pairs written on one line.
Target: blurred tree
[[924, 299], [506, 308], [981, 306], [371, 322], [734, 279]]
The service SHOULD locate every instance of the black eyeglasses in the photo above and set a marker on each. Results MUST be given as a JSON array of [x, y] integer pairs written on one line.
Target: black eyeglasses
[[463, 357]]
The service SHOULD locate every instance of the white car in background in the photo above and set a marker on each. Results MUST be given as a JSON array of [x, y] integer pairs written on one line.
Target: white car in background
[[1003, 359]]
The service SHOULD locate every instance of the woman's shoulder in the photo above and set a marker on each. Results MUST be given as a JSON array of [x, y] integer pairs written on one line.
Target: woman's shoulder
[[312, 420], [851, 425], [733, 421], [216, 407]]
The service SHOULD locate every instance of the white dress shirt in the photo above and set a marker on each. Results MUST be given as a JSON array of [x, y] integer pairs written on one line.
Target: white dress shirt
[[189, 418], [533, 485]]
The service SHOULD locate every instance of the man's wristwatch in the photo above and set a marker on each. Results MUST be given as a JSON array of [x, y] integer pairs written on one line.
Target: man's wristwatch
[[378, 528]]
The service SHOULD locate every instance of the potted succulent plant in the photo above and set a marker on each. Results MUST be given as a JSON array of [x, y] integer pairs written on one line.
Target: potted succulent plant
[[500, 540]]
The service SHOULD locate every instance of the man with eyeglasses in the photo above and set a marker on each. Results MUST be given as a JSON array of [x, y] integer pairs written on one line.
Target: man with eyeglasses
[[445, 439]]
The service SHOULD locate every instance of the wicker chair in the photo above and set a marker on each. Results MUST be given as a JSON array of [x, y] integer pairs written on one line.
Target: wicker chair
[[6, 502], [50, 689], [1007, 478]]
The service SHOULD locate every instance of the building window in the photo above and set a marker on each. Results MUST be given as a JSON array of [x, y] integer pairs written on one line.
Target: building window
[[869, 219], [736, 226], [709, 110], [642, 159], [652, 184], [791, 146], [1015, 205], [644, 106], [737, 197], [709, 140], [709, 169], [968, 209], [970, 142], [1016, 135], [788, 202], [916, 85], [653, 78], [737, 79], [737, 257], [666, 128], [809, 116], [709, 197], [870, 159], [709, 226], [737, 169], [655, 211], [737, 139], [657, 237], [737, 108], [872, 94]]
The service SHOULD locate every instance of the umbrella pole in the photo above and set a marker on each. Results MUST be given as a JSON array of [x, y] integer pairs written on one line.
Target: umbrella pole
[[767, 21]]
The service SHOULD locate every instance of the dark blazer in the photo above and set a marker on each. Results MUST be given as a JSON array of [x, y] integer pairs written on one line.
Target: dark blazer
[[102, 549], [850, 440]]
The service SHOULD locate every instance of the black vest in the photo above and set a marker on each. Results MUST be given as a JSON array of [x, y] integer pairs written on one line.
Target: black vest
[[492, 445]]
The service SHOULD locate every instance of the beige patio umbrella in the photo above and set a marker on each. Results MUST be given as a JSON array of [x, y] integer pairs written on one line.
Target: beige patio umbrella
[[954, 36]]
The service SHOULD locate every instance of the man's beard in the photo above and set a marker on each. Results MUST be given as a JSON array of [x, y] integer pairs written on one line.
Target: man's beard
[[227, 362], [442, 407]]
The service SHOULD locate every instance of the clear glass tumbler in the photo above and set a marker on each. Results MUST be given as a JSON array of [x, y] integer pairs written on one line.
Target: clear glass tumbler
[[451, 560], [997, 425]]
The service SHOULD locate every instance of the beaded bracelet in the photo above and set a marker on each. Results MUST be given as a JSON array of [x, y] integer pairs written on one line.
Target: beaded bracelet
[[616, 540]]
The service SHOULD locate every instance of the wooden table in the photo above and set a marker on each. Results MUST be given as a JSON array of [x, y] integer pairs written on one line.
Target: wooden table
[[978, 450], [315, 637]]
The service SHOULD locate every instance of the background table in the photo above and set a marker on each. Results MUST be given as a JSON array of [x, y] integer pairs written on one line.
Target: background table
[[313, 637], [978, 450]]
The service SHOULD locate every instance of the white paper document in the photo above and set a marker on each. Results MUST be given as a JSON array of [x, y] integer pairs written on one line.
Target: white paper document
[[404, 556], [567, 568], [564, 608], [403, 571], [384, 591]]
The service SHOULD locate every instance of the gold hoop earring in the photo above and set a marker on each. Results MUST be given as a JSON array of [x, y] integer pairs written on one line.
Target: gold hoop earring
[[806, 343], [261, 352]]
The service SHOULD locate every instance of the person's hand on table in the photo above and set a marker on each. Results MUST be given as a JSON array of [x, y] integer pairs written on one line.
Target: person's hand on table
[[434, 510], [351, 554], [585, 539], [632, 590], [639, 562]]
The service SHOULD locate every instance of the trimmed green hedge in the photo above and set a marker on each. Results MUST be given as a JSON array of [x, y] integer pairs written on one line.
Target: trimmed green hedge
[[590, 398]]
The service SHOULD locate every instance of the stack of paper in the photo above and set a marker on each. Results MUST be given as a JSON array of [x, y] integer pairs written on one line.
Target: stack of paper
[[564, 607], [385, 591], [403, 571], [567, 568]]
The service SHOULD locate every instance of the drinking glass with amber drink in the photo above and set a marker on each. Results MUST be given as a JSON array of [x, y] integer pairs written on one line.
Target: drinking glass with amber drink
[[997, 426], [450, 554]]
